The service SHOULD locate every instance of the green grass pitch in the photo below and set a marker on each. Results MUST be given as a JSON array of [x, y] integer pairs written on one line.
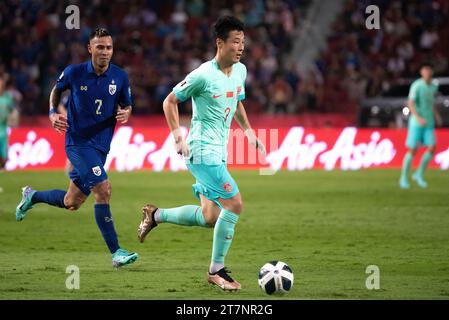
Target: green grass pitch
[[328, 226]]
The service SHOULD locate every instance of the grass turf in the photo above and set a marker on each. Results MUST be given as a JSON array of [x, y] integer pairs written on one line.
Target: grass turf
[[328, 226]]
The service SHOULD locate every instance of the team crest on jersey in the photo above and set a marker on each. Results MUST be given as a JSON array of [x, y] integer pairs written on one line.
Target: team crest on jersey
[[227, 187], [97, 171], [112, 88], [239, 89]]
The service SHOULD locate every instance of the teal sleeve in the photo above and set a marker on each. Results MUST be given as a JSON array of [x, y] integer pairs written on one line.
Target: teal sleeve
[[192, 85], [412, 95], [241, 93]]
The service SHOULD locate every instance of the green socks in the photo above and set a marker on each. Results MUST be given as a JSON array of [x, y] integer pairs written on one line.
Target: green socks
[[427, 156], [223, 235], [406, 165], [192, 216], [186, 216]]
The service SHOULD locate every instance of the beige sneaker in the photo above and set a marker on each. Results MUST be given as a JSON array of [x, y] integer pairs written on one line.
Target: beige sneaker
[[223, 280], [147, 222]]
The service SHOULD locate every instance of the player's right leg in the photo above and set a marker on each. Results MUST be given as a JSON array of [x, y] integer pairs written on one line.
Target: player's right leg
[[71, 199], [414, 136], [188, 215]]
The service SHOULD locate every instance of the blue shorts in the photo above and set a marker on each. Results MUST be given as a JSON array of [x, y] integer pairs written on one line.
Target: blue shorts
[[213, 182], [88, 168], [423, 135]]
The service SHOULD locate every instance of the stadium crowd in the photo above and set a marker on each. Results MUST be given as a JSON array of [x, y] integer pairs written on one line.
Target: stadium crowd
[[359, 62], [158, 42]]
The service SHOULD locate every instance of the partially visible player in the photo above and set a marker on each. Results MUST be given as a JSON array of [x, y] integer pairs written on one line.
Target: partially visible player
[[8, 116], [217, 89], [421, 126], [62, 109], [100, 96]]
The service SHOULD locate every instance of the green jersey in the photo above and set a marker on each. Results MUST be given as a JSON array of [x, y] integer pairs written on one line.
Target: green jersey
[[423, 95], [214, 101], [6, 106]]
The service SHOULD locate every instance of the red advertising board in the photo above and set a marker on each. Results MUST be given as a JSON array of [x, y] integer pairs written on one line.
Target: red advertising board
[[291, 148]]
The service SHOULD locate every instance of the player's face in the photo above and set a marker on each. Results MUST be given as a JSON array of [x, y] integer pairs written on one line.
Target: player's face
[[232, 48], [426, 73], [101, 50]]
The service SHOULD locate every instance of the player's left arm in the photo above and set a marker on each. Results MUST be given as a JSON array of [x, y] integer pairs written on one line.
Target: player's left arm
[[242, 119], [125, 104], [13, 118], [438, 119]]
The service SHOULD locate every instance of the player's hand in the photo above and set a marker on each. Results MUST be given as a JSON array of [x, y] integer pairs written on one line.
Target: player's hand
[[123, 115], [180, 143], [439, 121], [421, 121], [181, 147], [59, 122], [254, 141]]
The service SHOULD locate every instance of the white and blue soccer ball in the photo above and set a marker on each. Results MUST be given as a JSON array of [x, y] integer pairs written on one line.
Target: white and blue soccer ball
[[276, 277]]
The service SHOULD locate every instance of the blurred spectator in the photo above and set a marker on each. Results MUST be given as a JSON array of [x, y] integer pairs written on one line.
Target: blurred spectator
[[155, 41], [280, 94], [369, 61]]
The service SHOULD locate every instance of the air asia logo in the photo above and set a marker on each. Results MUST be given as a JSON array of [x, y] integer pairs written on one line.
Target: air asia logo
[[97, 171], [112, 88], [227, 187]]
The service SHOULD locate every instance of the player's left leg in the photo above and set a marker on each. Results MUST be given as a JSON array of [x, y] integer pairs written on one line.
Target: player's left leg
[[429, 140], [223, 236], [418, 176], [102, 195]]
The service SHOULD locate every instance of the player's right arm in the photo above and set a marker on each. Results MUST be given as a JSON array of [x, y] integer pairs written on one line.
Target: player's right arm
[[170, 106], [59, 121], [412, 97], [411, 107], [191, 86]]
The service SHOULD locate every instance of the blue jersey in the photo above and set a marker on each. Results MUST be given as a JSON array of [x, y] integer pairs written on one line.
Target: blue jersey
[[92, 104]]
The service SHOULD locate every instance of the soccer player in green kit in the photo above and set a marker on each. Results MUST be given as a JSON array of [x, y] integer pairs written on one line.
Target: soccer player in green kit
[[217, 89], [421, 125], [8, 114]]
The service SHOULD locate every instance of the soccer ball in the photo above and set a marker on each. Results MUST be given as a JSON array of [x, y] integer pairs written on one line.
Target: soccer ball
[[276, 277]]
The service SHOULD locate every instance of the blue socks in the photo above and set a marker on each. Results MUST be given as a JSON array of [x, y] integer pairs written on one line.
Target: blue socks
[[51, 197], [106, 226]]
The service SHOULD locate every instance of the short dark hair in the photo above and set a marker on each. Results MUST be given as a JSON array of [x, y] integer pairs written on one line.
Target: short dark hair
[[427, 64], [225, 24], [99, 32]]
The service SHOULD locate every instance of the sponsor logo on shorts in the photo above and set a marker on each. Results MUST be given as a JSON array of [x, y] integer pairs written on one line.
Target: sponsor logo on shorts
[[227, 187], [96, 170]]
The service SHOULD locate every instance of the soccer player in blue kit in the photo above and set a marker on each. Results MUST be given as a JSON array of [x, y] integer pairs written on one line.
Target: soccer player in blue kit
[[100, 95]]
